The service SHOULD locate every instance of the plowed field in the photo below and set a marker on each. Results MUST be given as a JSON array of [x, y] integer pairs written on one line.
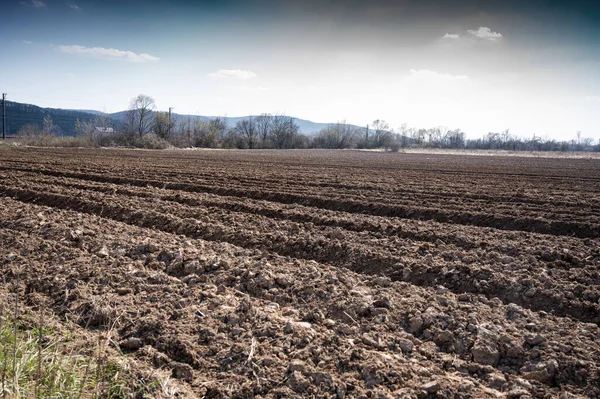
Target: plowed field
[[317, 273]]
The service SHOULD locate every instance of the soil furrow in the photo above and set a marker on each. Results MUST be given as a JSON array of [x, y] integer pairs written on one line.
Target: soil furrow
[[357, 257], [315, 273], [423, 231], [237, 292], [582, 230]]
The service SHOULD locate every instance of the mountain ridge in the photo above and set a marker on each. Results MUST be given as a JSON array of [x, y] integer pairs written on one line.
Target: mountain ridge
[[65, 120]]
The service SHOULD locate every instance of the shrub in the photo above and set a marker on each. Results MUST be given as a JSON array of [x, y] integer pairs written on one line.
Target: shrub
[[152, 142], [32, 135], [73, 142], [395, 146]]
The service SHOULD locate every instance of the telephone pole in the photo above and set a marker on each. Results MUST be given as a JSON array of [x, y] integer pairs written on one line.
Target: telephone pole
[[3, 116]]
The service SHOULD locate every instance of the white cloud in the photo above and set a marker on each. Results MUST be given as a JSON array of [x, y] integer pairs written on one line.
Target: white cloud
[[108, 53], [27, 42], [592, 98], [34, 3], [232, 74], [253, 88], [485, 33], [453, 36], [430, 76], [74, 6]]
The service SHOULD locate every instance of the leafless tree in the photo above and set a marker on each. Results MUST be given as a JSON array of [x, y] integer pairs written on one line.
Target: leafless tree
[[203, 134], [403, 133], [31, 134], [139, 116], [84, 129], [218, 127], [418, 135], [29, 130], [163, 124], [48, 127], [263, 124], [283, 131], [183, 134], [455, 138], [247, 130], [339, 135], [505, 136], [381, 136]]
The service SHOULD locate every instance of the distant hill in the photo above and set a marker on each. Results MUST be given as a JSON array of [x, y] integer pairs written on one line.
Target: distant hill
[[89, 111], [65, 120], [19, 115]]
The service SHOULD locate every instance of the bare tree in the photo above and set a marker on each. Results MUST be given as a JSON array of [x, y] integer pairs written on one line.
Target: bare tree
[[366, 141], [418, 135], [283, 131], [382, 136], [247, 130], [263, 124], [29, 130], [403, 133], [163, 124], [217, 128], [84, 129], [139, 116], [32, 135], [455, 138], [97, 130], [198, 133], [48, 128], [183, 134], [339, 135]]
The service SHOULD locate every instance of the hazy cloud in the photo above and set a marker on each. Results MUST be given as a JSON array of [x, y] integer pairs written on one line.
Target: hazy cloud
[[485, 33], [453, 36], [253, 88], [27, 42], [74, 6], [107, 53], [34, 3], [232, 74], [429, 75]]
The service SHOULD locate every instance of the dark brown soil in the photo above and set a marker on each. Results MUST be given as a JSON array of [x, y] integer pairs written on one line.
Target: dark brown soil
[[318, 273]]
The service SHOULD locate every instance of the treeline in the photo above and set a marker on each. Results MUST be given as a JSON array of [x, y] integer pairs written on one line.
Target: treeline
[[506, 141], [145, 127]]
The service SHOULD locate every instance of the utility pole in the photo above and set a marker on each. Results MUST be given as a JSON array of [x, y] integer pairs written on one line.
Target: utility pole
[[3, 116], [169, 126]]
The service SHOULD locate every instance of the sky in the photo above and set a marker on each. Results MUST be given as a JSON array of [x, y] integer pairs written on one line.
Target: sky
[[482, 66]]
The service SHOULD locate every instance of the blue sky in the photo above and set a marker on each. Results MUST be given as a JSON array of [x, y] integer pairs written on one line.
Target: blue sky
[[477, 65]]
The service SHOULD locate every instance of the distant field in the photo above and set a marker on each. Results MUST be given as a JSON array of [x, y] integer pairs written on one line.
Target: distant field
[[536, 154], [319, 273]]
